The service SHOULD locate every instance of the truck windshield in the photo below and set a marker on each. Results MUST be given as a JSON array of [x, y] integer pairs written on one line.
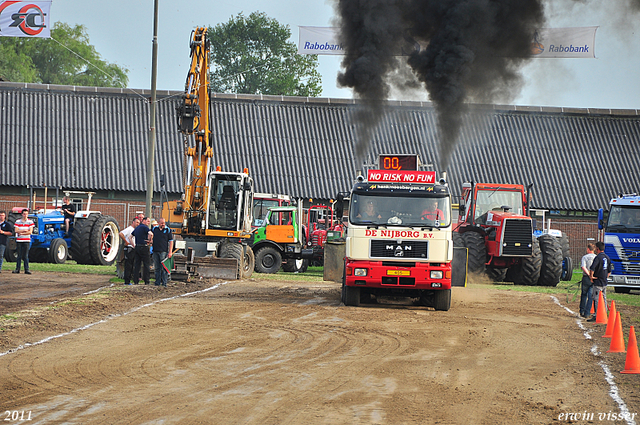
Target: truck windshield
[[495, 199], [400, 210], [260, 209], [624, 219]]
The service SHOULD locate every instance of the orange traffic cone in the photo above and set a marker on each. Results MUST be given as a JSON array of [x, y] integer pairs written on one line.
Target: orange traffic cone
[[601, 314], [593, 310], [612, 321], [617, 340], [632, 364]]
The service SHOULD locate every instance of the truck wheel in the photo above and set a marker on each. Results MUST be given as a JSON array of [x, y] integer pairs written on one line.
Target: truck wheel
[[551, 269], [496, 274], [351, 296], [442, 300], [295, 266], [236, 250], [474, 242], [80, 239], [58, 251], [268, 260], [104, 242], [528, 271], [567, 269]]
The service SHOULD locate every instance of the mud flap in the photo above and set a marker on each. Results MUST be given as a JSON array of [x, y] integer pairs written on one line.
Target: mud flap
[[459, 267]]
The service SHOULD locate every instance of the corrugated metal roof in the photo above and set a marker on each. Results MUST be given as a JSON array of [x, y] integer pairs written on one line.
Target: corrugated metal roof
[[96, 139]]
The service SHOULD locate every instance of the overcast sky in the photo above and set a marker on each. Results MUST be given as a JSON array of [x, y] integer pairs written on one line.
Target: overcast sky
[[122, 32]]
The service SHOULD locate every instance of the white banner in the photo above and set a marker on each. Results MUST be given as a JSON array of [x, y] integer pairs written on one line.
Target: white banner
[[319, 41], [25, 18], [576, 42], [579, 42]]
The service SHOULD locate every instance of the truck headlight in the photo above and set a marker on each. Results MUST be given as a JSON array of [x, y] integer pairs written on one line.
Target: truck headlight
[[436, 274], [360, 272]]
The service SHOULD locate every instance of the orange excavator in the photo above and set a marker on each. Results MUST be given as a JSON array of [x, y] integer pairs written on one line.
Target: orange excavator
[[213, 216]]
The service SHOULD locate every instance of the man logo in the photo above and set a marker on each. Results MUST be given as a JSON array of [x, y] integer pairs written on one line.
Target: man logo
[[30, 19]]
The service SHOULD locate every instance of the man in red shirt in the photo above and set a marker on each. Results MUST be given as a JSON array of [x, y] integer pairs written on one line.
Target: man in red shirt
[[432, 212], [24, 228]]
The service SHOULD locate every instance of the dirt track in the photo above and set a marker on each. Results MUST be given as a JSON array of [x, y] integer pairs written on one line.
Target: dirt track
[[267, 352]]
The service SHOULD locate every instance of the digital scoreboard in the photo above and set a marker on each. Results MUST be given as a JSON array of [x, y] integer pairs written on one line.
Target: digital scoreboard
[[398, 162]]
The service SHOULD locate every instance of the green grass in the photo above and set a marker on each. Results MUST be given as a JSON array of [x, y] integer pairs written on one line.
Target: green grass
[[572, 290], [67, 267], [313, 274]]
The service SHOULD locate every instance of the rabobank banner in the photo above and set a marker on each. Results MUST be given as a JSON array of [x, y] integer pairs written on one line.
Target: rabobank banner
[[319, 41], [25, 18], [577, 42], [547, 42]]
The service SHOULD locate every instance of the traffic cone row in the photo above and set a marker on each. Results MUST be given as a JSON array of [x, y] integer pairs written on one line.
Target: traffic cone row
[[614, 331]]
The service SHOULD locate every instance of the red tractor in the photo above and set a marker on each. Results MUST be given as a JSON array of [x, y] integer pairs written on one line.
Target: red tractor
[[320, 220], [493, 225]]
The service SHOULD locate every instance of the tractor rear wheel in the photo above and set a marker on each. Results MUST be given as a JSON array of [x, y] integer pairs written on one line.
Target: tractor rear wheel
[[496, 274], [58, 251], [528, 271], [268, 260], [474, 242], [564, 244], [104, 242], [81, 239], [551, 268]]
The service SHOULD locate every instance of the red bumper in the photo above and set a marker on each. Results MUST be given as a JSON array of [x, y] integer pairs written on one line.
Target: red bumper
[[385, 276]]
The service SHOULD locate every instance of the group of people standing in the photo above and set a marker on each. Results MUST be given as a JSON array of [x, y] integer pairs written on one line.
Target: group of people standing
[[139, 239], [596, 266]]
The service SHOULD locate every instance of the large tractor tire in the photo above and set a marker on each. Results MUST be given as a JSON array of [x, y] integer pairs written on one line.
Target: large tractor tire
[[496, 274], [81, 239], [104, 242], [528, 271], [58, 251], [551, 269], [474, 242], [268, 260], [564, 244], [38, 255]]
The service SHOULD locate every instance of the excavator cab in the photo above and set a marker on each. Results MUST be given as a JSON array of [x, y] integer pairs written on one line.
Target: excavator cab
[[231, 202]]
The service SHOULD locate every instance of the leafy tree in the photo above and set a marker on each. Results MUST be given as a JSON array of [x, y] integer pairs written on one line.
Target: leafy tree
[[67, 58], [253, 55]]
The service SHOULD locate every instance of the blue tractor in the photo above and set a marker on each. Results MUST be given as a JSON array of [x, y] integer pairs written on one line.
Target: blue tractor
[[92, 239]]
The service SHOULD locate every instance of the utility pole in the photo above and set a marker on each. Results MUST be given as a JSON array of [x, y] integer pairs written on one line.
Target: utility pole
[[152, 114]]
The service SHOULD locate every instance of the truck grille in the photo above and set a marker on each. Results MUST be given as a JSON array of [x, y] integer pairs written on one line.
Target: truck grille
[[398, 249], [516, 238]]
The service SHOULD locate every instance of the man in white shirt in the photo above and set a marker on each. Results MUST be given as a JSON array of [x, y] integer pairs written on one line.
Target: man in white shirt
[[129, 253]]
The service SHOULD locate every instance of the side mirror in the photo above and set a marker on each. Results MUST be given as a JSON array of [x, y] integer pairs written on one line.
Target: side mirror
[[600, 219]]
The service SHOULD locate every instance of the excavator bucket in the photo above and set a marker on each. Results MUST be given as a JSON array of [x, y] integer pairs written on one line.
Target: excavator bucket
[[186, 268]]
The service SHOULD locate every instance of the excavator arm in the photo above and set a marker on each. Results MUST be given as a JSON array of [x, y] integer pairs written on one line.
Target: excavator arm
[[193, 119]]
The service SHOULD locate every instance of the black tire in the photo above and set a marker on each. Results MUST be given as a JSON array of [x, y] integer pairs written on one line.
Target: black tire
[[295, 266], [249, 263], [237, 251], [80, 239], [551, 268], [442, 300], [104, 241], [343, 292], [58, 251], [496, 274], [528, 271], [351, 296], [620, 290], [268, 260], [564, 244], [38, 255], [10, 255], [474, 242], [567, 269]]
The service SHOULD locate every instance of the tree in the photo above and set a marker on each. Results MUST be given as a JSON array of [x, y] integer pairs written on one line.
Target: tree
[[67, 58], [253, 55]]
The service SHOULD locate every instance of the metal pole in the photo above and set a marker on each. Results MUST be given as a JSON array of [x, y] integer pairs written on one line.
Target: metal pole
[[152, 114]]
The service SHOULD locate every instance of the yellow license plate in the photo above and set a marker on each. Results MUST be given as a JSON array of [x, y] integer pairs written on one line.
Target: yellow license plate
[[398, 273]]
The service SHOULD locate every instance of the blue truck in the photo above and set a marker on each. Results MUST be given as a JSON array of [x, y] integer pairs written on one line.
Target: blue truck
[[622, 241]]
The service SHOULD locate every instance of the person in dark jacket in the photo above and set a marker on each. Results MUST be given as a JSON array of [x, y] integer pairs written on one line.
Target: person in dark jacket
[[6, 229], [144, 238], [599, 273]]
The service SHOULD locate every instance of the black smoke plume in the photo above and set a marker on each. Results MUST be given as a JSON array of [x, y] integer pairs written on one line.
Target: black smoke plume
[[474, 51]]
